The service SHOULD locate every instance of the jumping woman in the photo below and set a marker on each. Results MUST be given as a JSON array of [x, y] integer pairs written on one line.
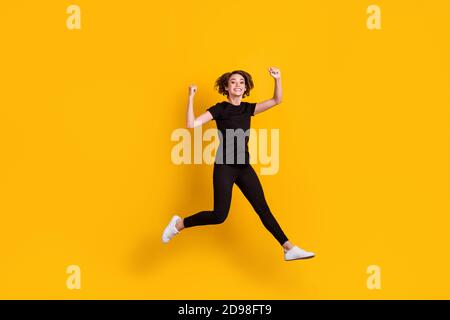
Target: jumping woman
[[231, 164]]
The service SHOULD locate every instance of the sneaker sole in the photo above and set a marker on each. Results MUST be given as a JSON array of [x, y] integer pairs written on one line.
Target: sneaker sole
[[162, 239], [299, 258]]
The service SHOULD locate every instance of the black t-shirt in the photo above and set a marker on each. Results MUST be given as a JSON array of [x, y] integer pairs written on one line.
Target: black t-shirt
[[233, 123]]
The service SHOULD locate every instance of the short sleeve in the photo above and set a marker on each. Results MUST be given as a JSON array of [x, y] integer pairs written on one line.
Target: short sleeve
[[216, 110], [251, 108]]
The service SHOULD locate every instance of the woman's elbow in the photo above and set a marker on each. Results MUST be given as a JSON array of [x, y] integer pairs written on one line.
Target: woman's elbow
[[194, 124]]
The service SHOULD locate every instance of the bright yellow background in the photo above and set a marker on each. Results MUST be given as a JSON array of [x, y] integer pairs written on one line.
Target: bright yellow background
[[86, 175]]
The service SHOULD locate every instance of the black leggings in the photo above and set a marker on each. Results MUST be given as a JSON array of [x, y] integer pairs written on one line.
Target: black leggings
[[224, 176]]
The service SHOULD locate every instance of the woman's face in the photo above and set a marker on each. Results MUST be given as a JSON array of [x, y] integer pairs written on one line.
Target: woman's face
[[236, 85]]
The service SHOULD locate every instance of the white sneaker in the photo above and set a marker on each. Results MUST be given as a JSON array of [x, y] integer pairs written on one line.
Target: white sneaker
[[170, 230], [296, 253]]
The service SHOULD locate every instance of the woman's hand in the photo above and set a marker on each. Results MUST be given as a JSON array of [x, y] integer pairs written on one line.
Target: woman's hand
[[275, 72], [192, 90]]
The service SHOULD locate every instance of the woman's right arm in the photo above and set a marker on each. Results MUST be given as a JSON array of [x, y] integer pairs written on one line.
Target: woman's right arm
[[191, 121]]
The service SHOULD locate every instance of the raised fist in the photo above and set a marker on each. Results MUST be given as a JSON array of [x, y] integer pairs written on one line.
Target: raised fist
[[192, 89]]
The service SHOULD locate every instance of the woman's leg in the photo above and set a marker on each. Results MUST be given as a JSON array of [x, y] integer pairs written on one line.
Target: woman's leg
[[224, 177], [251, 187]]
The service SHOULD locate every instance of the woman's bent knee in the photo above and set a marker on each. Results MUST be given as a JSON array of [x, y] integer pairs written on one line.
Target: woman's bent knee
[[220, 217]]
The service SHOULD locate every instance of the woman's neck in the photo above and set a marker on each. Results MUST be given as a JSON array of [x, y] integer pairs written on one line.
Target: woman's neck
[[235, 101]]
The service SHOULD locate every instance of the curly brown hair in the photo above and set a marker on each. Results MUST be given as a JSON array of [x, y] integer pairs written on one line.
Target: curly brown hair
[[222, 82]]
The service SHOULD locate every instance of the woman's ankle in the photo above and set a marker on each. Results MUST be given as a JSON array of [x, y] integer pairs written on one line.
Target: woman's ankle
[[287, 245], [180, 224]]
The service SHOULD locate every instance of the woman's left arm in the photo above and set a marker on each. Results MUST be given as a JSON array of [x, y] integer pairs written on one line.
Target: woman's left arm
[[277, 95]]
